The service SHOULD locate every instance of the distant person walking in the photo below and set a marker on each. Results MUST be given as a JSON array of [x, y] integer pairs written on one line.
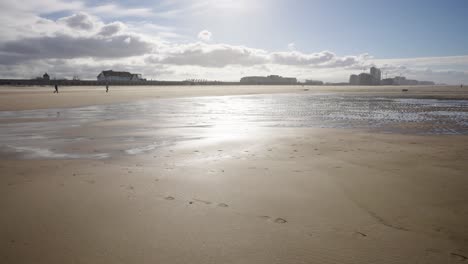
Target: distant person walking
[[107, 88], [56, 88]]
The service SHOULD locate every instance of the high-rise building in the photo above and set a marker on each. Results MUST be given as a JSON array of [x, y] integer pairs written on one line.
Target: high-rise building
[[365, 79], [376, 75], [354, 79]]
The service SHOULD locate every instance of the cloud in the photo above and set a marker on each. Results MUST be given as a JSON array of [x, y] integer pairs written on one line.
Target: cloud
[[222, 55], [211, 55], [111, 29], [64, 46], [292, 46], [79, 21], [298, 58], [204, 35]]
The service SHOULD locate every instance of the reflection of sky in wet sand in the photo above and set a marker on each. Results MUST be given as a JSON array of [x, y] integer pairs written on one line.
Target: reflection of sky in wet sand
[[144, 126]]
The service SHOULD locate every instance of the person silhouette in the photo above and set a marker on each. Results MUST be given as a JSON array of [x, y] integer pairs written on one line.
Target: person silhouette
[[56, 88], [107, 88]]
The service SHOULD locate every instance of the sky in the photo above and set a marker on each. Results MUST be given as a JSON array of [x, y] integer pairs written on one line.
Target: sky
[[226, 39]]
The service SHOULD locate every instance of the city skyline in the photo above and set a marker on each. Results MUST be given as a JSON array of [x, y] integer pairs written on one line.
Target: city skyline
[[226, 40]]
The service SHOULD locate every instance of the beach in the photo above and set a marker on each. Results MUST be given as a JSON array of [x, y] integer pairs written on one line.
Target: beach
[[208, 174], [37, 97]]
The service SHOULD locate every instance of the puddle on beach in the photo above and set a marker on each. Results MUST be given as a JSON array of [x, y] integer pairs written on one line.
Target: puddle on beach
[[98, 132]]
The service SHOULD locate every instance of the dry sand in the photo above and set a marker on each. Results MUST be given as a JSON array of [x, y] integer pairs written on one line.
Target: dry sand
[[279, 195]]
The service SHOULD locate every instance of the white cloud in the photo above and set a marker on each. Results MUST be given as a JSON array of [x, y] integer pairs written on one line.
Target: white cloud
[[204, 35], [292, 46], [210, 55]]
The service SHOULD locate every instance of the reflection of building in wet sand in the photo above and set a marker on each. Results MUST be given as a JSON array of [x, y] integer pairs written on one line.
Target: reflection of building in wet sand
[[271, 79]]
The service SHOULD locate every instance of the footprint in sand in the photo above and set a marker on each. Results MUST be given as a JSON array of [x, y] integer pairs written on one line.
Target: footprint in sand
[[459, 257], [280, 220], [360, 234], [169, 198], [277, 220], [222, 205], [202, 201]]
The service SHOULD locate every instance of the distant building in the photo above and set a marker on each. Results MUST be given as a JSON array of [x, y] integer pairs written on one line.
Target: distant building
[[46, 77], [271, 79], [373, 78], [119, 76], [354, 79], [313, 82], [365, 79], [376, 75], [426, 83], [388, 81], [401, 80]]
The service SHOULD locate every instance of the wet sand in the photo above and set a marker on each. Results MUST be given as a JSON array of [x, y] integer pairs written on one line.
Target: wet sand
[[245, 195], [22, 98]]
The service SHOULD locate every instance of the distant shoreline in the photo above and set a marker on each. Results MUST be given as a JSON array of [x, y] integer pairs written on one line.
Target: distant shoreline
[[35, 97], [40, 82]]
